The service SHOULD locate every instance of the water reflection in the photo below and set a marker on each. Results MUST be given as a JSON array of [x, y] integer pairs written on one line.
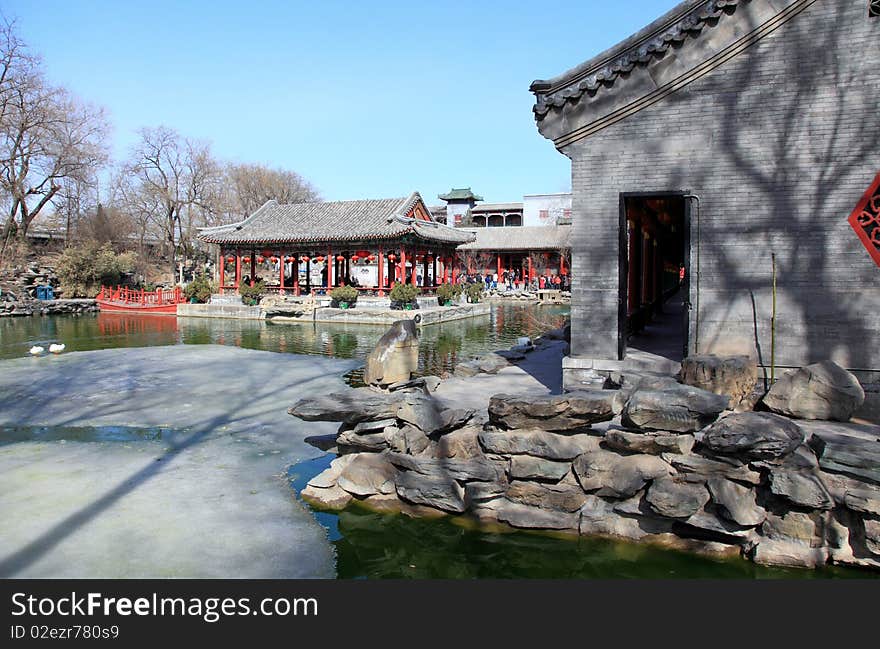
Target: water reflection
[[442, 346]]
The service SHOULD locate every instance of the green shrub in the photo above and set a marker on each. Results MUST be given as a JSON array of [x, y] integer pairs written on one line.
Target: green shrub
[[251, 295], [200, 289], [404, 293], [85, 267], [474, 291], [344, 294], [448, 292]]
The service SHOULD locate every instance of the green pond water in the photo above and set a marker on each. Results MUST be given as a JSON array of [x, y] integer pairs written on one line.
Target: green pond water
[[441, 347], [371, 545]]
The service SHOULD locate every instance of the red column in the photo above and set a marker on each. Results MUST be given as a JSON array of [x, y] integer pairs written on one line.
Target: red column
[[281, 273], [237, 270], [222, 279], [253, 266], [561, 263], [446, 270], [412, 274], [381, 278], [454, 264], [499, 266], [531, 270], [329, 268], [401, 272]]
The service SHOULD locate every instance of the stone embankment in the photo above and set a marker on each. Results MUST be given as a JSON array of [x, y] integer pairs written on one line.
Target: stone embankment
[[18, 293], [654, 460]]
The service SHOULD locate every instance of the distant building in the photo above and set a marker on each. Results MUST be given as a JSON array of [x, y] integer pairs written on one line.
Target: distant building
[[530, 238], [317, 246]]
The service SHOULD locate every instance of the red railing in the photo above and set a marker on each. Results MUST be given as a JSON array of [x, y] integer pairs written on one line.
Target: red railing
[[159, 297]]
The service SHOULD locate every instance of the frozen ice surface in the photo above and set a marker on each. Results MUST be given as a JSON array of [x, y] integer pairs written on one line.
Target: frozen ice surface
[[159, 462]]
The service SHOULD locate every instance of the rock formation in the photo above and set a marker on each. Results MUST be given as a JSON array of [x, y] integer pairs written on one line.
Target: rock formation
[[395, 357]]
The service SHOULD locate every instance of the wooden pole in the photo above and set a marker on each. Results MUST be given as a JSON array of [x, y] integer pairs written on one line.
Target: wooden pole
[[222, 279], [380, 278], [281, 274]]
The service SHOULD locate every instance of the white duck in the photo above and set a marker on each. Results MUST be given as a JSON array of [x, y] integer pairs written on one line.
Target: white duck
[[36, 350], [56, 349]]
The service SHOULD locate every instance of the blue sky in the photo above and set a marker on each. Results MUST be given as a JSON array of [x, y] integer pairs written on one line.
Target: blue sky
[[364, 99]]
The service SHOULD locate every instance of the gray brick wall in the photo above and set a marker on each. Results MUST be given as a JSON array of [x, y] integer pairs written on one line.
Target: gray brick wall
[[779, 143]]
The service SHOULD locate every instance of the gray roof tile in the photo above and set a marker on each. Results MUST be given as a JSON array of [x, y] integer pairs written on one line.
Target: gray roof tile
[[333, 221], [535, 237]]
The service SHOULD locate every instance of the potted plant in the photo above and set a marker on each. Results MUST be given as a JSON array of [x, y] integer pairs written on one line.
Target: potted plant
[[403, 296], [343, 297], [474, 292], [198, 291], [251, 295], [447, 294]]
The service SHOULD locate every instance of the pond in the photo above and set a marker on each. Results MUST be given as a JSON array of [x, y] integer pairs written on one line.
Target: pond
[[441, 347]]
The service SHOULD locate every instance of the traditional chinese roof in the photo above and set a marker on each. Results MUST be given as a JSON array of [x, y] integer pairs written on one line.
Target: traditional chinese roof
[[361, 220], [672, 51], [498, 207], [537, 237], [463, 194]]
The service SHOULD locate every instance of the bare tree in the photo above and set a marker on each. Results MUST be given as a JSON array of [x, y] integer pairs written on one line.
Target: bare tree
[[251, 185], [47, 137], [171, 181]]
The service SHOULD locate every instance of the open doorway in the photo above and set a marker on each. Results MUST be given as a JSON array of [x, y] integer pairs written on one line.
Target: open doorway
[[654, 274]]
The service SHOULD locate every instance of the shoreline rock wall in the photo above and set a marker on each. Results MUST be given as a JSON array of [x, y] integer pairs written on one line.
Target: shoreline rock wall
[[685, 471]]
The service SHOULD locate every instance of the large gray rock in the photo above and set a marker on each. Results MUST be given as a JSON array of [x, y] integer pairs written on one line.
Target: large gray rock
[[539, 443], [328, 477], [618, 476], [480, 469], [771, 552], [676, 499], [753, 435], [566, 498], [425, 413], [477, 493], [719, 528], [802, 487], [350, 407], [651, 442], [682, 409], [854, 456], [794, 527], [872, 535], [489, 363], [598, 517], [367, 474], [537, 518], [734, 376], [431, 490], [407, 439], [820, 391], [736, 502], [334, 498], [372, 439], [461, 443], [697, 468], [527, 467], [854, 494], [570, 411], [395, 357]]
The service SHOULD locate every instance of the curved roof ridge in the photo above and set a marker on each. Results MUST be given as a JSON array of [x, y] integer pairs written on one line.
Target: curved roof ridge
[[686, 20]]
